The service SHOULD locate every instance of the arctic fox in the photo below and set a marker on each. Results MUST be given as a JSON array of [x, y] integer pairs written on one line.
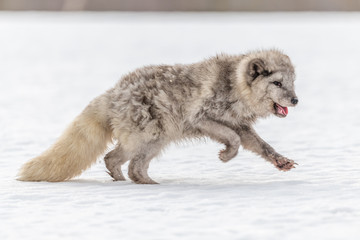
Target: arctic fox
[[220, 98]]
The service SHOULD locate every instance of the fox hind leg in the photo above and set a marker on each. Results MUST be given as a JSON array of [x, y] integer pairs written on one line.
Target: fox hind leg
[[113, 161], [139, 164]]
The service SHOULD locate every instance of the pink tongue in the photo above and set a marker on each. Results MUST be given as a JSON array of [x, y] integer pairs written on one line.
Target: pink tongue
[[282, 110]]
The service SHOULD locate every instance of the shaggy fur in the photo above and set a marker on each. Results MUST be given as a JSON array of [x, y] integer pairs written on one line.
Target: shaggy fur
[[153, 106]]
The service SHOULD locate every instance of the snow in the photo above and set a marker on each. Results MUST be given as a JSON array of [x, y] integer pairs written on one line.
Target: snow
[[53, 64]]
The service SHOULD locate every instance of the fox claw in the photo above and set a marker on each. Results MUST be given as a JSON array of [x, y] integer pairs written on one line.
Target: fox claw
[[109, 174], [116, 177], [284, 164]]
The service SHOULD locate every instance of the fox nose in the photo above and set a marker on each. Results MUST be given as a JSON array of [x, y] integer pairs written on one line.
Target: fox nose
[[294, 100]]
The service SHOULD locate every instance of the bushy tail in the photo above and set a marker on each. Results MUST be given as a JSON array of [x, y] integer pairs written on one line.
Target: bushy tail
[[78, 147]]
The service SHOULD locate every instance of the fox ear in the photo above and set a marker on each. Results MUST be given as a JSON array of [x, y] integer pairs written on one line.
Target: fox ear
[[256, 67]]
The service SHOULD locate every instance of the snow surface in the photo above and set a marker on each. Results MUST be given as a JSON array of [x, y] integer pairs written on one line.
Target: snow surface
[[53, 64]]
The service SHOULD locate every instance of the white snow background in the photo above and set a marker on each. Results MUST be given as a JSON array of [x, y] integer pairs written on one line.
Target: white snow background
[[53, 64]]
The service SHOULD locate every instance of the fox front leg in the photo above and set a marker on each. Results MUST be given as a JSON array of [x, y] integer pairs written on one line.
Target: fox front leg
[[251, 141], [221, 134]]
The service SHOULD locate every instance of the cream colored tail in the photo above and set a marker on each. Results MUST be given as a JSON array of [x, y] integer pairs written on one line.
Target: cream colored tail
[[78, 147]]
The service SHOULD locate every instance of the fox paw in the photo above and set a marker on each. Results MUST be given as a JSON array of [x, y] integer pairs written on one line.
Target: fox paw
[[116, 175], [227, 154], [284, 164]]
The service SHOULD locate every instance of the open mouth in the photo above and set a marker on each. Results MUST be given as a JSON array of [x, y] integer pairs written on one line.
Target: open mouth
[[280, 111]]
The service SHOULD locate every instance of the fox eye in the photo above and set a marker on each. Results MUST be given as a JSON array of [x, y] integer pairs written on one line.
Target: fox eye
[[278, 84]]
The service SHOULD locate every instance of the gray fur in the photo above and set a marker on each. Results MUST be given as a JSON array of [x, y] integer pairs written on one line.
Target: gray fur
[[220, 98], [149, 108]]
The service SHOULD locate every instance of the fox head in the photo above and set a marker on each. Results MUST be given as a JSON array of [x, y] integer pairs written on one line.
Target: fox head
[[266, 81]]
